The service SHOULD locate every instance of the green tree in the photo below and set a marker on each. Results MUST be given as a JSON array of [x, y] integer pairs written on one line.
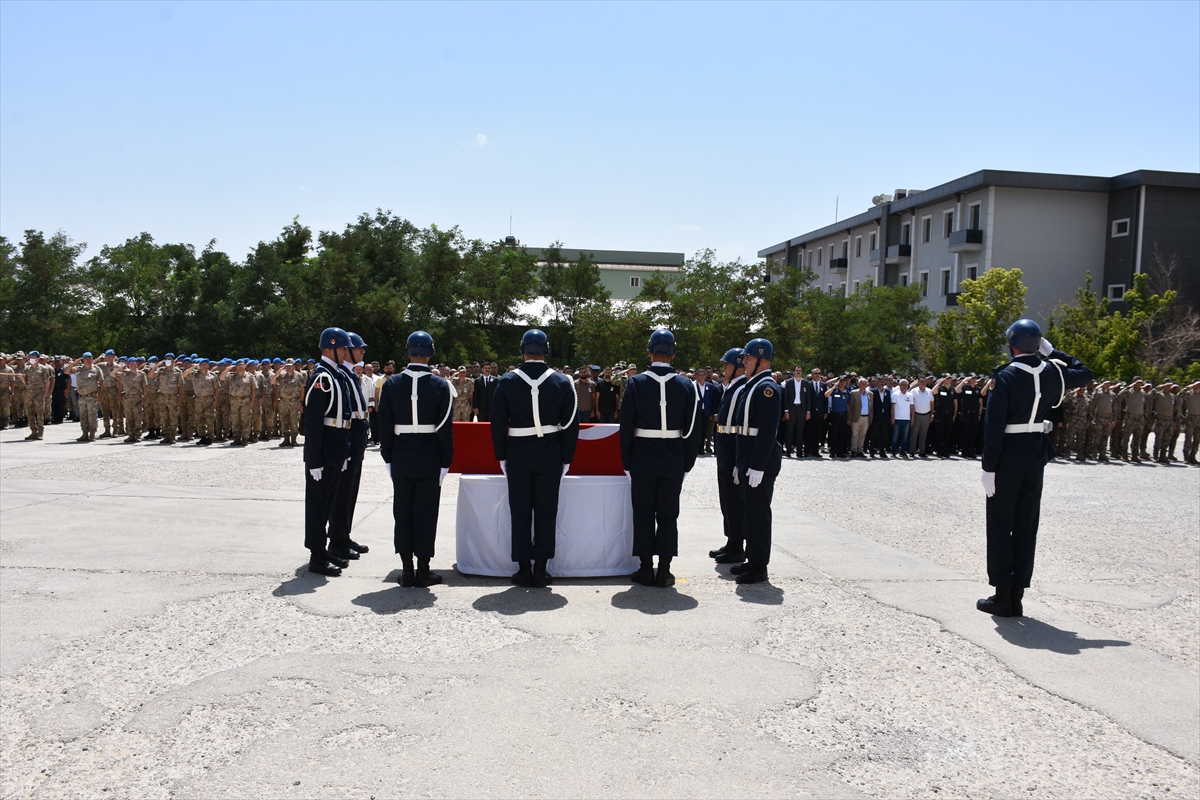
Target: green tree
[[567, 286], [606, 334], [970, 337], [47, 302]]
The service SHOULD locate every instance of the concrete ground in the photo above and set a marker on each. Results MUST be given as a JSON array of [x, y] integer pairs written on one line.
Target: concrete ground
[[160, 638]]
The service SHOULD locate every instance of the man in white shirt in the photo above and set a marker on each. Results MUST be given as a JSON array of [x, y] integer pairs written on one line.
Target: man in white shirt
[[922, 406], [901, 417]]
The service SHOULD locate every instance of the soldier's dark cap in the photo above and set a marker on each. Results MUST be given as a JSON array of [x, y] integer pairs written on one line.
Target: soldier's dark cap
[[277, 360], [154, 358], [109, 352], [169, 355], [34, 353], [185, 360], [312, 361], [88, 354]]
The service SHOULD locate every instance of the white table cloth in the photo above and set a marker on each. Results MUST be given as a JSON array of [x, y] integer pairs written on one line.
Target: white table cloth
[[594, 528]]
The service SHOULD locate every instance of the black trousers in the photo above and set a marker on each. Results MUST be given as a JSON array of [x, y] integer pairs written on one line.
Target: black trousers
[[341, 516], [533, 502], [1012, 524], [813, 434], [879, 437], [318, 503], [966, 439], [732, 509], [793, 430], [415, 504], [757, 516], [944, 441], [608, 417], [839, 434], [655, 499]]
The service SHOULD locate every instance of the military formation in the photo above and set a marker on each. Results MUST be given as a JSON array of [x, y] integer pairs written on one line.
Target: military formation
[[1113, 420]]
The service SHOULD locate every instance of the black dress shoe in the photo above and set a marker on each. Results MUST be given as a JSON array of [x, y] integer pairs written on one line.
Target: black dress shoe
[[541, 578], [425, 578], [738, 569], [752, 574], [523, 577], [407, 577], [1015, 601], [720, 551], [663, 578], [345, 555], [361, 548], [340, 563], [999, 604], [731, 558], [643, 577], [322, 567]]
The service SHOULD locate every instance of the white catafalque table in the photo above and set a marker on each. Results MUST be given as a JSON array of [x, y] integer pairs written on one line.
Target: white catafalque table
[[594, 527]]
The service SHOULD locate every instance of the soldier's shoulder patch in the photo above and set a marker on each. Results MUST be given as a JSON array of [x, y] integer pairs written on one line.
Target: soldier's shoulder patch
[[768, 392]]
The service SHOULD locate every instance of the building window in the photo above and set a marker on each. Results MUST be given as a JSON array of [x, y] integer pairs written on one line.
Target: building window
[[874, 244], [858, 247], [856, 286], [924, 281], [905, 234], [974, 216], [845, 248], [842, 287], [945, 282], [634, 281], [1116, 291], [926, 227], [810, 258], [947, 224], [972, 271], [820, 253], [829, 288], [831, 253], [904, 279], [1120, 227]]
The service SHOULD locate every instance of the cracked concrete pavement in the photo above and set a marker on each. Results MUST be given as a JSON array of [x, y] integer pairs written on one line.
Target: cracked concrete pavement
[[160, 638]]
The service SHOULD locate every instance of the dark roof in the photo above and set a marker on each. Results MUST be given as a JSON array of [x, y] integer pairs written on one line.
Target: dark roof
[[634, 258], [1003, 178]]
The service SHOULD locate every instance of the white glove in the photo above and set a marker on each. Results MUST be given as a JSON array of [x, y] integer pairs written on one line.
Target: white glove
[[316, 473], [988, 479], [1045, 348], [504, 468], [389, 468], [735, 477], [565, 468], [627, 475], [442, 477], [756, 476]]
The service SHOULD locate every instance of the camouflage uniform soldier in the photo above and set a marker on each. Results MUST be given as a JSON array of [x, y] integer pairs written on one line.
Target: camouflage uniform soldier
[[39, 381], [133, 386], [1076, 424], [289, 388], [151, 412], [1190, 403], [1118, 421], [1164, 421], [1100, 412], [170, 396], [1147, 419], [8, 379], [1133, 409], [1177, 422], [89, 382], [462, 402], [110, 406], [206, 388], [187, 402], [242, 394]]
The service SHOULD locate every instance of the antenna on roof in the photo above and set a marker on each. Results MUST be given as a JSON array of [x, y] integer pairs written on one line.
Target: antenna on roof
[[510, 223], [836, 199]]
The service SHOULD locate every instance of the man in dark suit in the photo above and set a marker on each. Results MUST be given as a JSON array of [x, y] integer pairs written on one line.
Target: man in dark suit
[[485, 390], [818, 411], [880, 434], [795, 413]]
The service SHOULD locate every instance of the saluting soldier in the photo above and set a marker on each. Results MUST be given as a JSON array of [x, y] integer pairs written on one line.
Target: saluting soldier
[[133, 389], [1016, 449], [241, 389], [207, 389], [340, 524], [759, 456], [464, 397], [534, 437], [170, 396], [1100, 419], [39, 382], [187, 401], [730, 497], [89, 382], [289, 388], [1190, 401], [328, 411], [662, 431], [8, 380], [416, 441]]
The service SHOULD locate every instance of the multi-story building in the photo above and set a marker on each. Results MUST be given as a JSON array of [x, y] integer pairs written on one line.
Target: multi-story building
[[1055, 228], [622, 271]]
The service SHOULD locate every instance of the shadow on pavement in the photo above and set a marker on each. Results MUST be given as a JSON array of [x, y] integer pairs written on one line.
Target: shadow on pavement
[[305, 582], [762, 593], [653, 600], [518, 600], [396, 599], [1035, 635]]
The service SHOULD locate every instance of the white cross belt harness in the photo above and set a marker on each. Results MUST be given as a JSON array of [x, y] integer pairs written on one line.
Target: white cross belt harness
[[662, 432], [330, 384], [539, 430], [1033, 426], [415, 426]]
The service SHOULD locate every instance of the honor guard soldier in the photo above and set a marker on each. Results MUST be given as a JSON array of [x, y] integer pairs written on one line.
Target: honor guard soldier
[[416, 440], [662, 431], [534, 436], [1016, 447], [328, 411], [342, 518], [729, 495], [759, 456]]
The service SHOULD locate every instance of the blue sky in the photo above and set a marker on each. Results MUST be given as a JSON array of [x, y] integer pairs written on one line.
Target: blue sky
[[608, 126]]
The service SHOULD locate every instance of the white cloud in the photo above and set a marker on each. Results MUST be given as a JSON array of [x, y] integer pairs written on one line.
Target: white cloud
[[480, 140], [686, 227]]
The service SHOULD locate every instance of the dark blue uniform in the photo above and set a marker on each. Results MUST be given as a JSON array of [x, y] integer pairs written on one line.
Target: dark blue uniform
[[341, 517], [328, 411], [757, 415], [730, 496], [1016, 449], [534, 463], [659, 445], [417, 456]]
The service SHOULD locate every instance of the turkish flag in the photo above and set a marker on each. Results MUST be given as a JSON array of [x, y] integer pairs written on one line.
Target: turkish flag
[[598, 451]]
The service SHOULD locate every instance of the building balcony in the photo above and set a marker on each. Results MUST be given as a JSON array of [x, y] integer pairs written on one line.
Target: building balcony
[[873, 258], [966, 240], [899, 254], [839, 264]]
